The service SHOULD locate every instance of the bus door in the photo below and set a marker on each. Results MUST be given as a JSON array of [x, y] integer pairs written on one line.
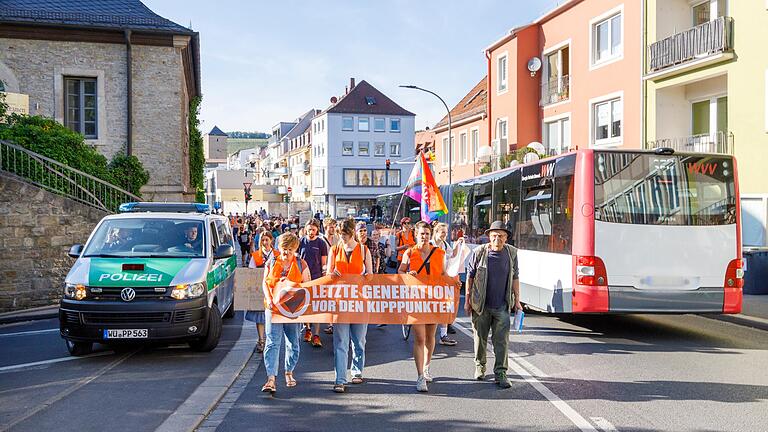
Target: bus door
[[506, 199], [480, 211]]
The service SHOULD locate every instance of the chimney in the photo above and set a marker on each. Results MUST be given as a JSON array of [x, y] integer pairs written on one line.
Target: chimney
[[351, 84], [346, 90]]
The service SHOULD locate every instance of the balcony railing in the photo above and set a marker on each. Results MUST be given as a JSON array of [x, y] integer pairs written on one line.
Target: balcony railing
[[705, 39], [281, 171], [555, 90], [718, 142]]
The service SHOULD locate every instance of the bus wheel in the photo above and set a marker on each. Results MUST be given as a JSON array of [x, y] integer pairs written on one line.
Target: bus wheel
[[211, 339], [230, 313], [79, 348]]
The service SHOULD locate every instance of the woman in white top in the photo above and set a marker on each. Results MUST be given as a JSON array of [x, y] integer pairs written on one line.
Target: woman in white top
[[439, 239]]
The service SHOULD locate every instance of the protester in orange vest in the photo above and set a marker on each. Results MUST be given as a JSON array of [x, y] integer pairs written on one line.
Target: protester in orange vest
[[260, 257], [283, 270], [349, 257], [423, 261], [404, 238]]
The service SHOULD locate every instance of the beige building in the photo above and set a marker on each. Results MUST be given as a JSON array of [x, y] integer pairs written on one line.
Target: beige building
[[215, 147], [121, 75]]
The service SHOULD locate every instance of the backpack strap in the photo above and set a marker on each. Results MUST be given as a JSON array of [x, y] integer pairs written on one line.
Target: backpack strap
[[426, 261]]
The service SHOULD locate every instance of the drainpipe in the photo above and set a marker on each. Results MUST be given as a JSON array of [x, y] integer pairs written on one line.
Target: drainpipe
[[643, 83], [488, 89], [129, 89]]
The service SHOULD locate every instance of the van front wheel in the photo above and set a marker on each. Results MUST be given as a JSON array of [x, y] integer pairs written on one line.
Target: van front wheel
[[211, 339], [79, 348]]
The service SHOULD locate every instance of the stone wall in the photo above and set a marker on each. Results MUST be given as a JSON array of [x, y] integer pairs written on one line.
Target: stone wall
[[37, 228], [160, 101]]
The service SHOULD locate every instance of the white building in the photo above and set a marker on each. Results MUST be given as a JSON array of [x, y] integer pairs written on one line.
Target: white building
[[352, 140]]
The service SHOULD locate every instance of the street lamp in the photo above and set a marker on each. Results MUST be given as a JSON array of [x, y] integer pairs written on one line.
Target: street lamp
[[450, 153]]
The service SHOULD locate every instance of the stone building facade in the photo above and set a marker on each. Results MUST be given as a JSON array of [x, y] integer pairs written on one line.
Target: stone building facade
[[43, 48]]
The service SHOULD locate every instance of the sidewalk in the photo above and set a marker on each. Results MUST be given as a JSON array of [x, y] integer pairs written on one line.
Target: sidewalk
[[754, 312], [33, 314]]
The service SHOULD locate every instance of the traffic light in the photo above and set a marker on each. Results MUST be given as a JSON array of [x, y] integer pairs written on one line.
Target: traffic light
[[247, 193], [387, 163]]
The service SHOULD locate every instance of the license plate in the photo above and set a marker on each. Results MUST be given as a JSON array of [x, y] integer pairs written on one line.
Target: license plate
[[126, 334]]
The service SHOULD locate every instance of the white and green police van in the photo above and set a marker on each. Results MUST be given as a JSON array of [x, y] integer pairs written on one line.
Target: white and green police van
[[153, 272]]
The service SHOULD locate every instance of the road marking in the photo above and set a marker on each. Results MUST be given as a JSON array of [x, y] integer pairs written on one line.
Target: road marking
[[217, 416], [604, 424], [68, 391], [575, 418], [192, 412], [31, 332], [51, 361], [526, 364]]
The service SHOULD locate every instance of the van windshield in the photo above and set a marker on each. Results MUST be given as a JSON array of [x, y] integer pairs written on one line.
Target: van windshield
[[649, 189], [173, 238]]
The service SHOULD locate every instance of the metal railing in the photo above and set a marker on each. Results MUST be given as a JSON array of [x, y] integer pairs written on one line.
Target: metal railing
[[718, 142], [705, 39], [555, 90], [61, 179]]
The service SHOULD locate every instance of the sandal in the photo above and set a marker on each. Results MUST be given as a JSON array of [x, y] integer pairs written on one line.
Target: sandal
[[357, 380], [269, 386], [289, 380], [328, 330], [339, 388]]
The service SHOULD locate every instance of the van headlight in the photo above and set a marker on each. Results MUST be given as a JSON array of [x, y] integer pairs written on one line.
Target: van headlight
[[75, 291], [184, 291]]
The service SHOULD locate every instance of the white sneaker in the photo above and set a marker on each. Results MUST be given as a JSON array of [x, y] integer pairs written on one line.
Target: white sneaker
[[427, 375], [421, 384]]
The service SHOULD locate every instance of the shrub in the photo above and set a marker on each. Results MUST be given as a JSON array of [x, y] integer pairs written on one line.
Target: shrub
[[128, 173]]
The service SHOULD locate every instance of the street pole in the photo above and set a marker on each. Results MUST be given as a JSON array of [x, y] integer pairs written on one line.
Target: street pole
[[450, 154]]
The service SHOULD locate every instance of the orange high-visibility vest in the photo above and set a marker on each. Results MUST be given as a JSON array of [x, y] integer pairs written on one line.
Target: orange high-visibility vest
[[404, 240], [435, 261], [356, 262]]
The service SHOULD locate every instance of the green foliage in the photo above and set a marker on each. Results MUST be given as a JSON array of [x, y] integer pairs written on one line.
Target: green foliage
[[53, 140], [196, 155], [128, 173], [505, 161], [3, 106]]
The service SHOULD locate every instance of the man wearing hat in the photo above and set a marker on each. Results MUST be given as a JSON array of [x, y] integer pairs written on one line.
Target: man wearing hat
[[493, 293]]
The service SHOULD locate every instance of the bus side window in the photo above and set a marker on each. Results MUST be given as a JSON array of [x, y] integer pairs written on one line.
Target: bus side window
[[562, 224], [535, 223]]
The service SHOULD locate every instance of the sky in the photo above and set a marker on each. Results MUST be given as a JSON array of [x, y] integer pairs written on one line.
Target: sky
[[269, 61]]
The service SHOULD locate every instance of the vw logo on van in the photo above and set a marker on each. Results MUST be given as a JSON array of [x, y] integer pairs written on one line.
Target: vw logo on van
[[127, 294]]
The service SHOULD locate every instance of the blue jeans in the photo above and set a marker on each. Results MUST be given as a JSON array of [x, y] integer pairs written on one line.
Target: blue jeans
[[275, 334], [343, 334]]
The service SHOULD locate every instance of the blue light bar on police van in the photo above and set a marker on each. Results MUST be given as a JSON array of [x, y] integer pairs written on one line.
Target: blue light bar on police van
[[137, 207]]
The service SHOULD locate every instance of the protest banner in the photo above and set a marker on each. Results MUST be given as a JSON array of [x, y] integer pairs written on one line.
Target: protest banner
[[249, 295], [372, 299]]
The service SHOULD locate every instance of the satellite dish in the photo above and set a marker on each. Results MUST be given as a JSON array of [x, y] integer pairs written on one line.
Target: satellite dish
[[334, 99], [534, 64], [530, 157], [539, 147]]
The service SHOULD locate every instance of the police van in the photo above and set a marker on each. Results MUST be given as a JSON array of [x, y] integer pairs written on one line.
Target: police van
[[153, 272]]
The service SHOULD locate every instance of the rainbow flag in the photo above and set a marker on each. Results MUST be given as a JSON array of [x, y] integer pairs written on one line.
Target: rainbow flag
[[413, 187], [432, 203]]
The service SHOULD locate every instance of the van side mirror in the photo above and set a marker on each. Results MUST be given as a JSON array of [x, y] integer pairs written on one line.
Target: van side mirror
[[224, 251], [75, 251]]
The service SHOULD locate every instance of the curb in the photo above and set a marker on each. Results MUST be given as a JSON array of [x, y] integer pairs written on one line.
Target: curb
[[742, 320], [34, 314], [193, 411]]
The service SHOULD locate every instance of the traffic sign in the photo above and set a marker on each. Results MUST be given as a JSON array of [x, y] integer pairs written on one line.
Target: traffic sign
[[290, 189]]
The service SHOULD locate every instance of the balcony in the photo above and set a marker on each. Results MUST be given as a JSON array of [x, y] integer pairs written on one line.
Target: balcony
[[282, 190], [718, 142], [697, 43], [302, 168], [280, 171], [555, 90]]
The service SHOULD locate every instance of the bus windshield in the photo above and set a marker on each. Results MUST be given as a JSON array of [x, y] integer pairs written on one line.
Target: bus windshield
[[649, 189], [148, 237]]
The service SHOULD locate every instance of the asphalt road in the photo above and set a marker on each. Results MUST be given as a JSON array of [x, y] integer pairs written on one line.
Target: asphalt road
[[639, 373]]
